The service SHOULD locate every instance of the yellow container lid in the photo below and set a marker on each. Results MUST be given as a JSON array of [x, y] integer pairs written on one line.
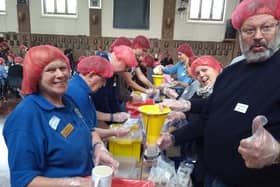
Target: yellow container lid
[[153, 110]]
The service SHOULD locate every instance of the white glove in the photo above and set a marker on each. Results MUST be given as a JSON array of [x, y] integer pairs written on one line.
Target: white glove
[[75, 182], [177, 105], [120, 132], [170, 92], [260, 149], [104, 157], [158, 69], [120, 117]]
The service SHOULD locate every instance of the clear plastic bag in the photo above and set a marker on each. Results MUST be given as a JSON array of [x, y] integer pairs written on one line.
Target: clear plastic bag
[[163, 173], [184, 174]]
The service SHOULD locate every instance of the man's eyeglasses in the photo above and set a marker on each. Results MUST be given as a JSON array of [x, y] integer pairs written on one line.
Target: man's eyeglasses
[[265, 29]]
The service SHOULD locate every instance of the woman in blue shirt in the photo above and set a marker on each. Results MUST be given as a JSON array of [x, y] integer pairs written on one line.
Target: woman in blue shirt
[[181, 68], [49, 143]]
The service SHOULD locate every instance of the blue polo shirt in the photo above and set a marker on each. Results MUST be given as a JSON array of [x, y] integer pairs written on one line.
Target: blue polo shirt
[[80, 93], [45, 140]]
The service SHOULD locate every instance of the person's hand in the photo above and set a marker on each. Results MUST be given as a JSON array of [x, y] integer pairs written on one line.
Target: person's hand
[[75, 182], [136, 98], [120, 117], [177, 105], [165, 141], [175, 83], [170, 93], [120, 132], [260, 149], [158, 69], [175, 115], [104, 157], [151, 91]]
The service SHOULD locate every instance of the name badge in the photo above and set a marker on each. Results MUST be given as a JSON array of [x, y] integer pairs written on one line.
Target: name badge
[[67, 130], [54, 121], [241, 108]]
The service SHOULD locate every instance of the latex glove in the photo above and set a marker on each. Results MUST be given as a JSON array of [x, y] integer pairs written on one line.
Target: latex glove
[[120, 116], [175, 115], [177, 105], [170, 93], [137, 98], [75, 182], [158, 69], [104, 157], [164, 141], [260, 149], [151, 91], [120, 132]]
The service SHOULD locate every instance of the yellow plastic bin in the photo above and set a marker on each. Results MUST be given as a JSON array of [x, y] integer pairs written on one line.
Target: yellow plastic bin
[[157, 79], [153, 119], [125, 147]]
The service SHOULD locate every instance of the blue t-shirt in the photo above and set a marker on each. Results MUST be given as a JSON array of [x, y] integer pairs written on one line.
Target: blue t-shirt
[[45, 140], [80, 93], [180, 70]]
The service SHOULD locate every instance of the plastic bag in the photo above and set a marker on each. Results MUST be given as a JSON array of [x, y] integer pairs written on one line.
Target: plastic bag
[[163, 173], [184, 174]]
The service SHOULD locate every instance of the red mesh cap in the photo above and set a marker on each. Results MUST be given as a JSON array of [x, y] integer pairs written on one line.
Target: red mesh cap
[[186, 49], [148, 60], [126, 55], [2, 60], [18, 60], [97, 65], [205, 61], [120, 41], [141, 42], [35, 60], [248, 8]]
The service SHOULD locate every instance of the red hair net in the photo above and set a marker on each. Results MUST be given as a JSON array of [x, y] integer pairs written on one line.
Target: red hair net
[[18, 60], [205, 61], [148, 60], [35, 61], [120, 41], [141, 42], [97, 65], [81, 58], [248, 8], [186, 49], [126, 55], [2, 60]]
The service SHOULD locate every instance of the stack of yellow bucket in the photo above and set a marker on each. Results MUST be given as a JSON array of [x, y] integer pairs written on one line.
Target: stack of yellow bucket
[[153, 119], [157, 79]]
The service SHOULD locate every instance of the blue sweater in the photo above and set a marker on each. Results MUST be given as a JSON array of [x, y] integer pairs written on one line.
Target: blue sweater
[[222, 126]]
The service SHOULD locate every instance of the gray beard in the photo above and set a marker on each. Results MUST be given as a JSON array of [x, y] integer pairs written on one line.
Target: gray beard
[[252, 57]]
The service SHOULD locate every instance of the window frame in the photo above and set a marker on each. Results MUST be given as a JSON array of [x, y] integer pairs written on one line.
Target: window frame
[[209, 20], [4, 12], [65, 14]]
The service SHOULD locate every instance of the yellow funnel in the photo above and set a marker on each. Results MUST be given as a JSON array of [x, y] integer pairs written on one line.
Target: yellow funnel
[[153, 119], [157, 79]]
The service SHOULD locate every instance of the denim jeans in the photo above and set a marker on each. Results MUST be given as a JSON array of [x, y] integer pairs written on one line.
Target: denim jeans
[[214, 182]]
